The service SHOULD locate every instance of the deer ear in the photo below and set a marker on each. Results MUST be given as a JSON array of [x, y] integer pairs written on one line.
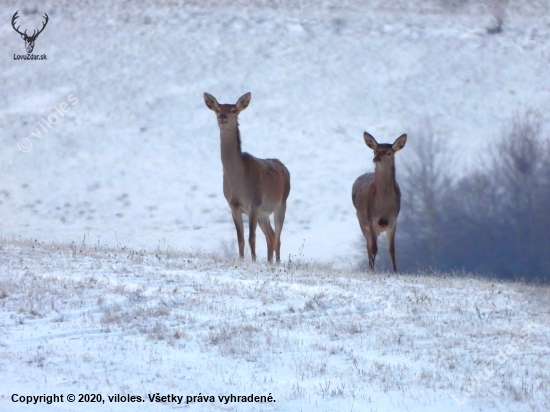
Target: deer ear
[[370, 141], [243, 101], [399, 143], [210, 101]]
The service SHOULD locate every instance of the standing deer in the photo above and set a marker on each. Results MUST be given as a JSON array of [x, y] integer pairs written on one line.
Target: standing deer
[[255, 187], [377, 198]]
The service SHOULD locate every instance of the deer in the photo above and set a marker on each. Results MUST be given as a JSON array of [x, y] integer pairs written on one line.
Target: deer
[[29, 40], [377, 198], [255, 187]]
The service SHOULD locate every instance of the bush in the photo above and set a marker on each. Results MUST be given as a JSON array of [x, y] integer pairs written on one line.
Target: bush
[[495, 220]]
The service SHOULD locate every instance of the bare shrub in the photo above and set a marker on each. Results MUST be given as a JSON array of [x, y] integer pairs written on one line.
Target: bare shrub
[[494, 220]]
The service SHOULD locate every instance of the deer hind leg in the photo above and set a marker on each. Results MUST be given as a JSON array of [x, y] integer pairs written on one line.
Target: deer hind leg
[[269, 236], [239, 226], [252, 224], [279, 220], [390, 236]]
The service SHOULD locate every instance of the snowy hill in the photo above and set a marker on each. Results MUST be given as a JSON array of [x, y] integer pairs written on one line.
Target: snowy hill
[[136, 160], [87, 319]]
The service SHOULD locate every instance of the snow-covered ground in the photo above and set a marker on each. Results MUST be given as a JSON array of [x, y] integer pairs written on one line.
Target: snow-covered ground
[[132, 173], [136, 160], [92, 320]]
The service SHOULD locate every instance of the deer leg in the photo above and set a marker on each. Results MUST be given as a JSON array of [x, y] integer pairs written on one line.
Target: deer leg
[[238, 220], [269, 235], [364, 225], [279, 220], [252, 223], [390, 236], [372, 246]]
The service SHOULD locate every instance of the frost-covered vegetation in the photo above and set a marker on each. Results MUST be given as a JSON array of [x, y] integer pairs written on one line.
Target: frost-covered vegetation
[[91, 319]]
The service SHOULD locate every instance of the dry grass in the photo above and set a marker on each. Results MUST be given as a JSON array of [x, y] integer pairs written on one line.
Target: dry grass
[[327, 331]]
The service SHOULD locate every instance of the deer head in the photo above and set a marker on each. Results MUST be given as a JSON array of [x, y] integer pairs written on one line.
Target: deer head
[[383, 152], [227, 113], [29, 40]]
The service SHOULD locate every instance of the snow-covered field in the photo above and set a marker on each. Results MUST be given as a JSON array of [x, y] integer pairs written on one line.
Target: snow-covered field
[[136, 160], [92, 320], [132, 174]]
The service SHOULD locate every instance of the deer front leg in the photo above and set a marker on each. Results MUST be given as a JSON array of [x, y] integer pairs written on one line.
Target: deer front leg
[[364, 225], [239, 226], [372, 246], [252, 223]]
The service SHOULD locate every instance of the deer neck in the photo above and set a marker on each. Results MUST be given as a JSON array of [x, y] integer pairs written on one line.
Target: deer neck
[[384, 178], [232, 161]]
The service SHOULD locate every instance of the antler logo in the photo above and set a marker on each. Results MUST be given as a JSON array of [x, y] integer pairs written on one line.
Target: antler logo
[[29, 40]]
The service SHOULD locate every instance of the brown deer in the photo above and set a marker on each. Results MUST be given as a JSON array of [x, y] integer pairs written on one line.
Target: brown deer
[[255, 187], [377, 198]]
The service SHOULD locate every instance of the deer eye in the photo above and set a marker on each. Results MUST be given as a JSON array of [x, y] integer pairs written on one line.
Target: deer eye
[[233, 111], [389, 153]]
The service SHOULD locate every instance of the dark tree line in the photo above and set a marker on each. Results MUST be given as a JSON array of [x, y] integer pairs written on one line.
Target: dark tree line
[[493, 221]]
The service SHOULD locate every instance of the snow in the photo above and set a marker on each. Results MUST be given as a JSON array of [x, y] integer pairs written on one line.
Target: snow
[[134, 167], [136, 161], [87, 319]]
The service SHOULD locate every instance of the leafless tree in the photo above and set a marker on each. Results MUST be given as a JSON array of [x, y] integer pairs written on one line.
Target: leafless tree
[[494, 220]]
